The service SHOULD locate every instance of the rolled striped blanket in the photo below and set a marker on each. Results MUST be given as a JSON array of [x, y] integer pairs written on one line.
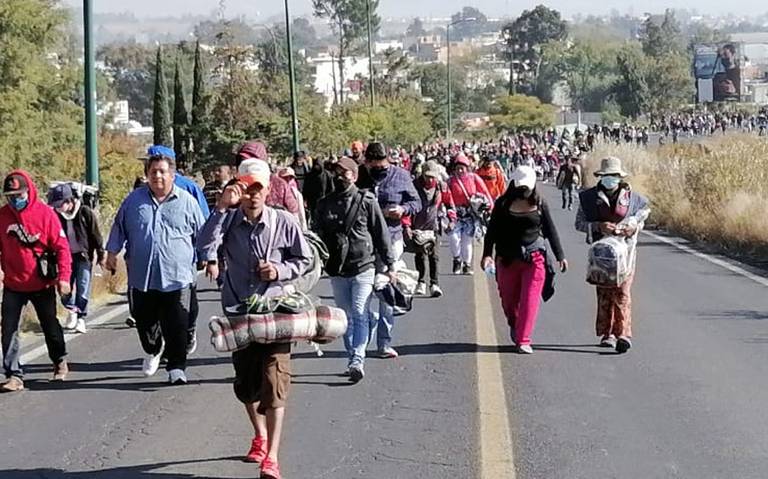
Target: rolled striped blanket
[[321, 325]]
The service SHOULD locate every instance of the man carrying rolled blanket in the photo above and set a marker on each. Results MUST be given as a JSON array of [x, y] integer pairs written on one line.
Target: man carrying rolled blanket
[[263, 248]]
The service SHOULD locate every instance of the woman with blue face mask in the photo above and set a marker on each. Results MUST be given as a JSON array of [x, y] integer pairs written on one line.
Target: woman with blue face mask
[[612, 209]]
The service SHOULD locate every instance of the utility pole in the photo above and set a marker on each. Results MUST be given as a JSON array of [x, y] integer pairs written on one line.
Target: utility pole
[[292, 78], [370, 53], [91, 146]]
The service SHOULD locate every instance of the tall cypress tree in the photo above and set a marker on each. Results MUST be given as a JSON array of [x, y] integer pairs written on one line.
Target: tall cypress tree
[[180, 121], [161, 113], [199, 127]]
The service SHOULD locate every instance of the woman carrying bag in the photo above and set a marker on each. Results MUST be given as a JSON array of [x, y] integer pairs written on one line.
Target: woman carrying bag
[[519, 228]]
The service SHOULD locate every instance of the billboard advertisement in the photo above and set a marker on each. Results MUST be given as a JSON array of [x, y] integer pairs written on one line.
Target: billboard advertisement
[[717, 69]]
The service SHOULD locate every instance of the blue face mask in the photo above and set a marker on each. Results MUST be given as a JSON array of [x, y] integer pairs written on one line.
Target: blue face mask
[[18, 203], [610, 183]]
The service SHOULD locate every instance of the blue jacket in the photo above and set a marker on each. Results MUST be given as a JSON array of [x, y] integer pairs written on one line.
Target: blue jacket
[[396, 189], [197, 193]]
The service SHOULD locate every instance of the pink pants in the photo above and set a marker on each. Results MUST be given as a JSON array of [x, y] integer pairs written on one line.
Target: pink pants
[[520, 286]]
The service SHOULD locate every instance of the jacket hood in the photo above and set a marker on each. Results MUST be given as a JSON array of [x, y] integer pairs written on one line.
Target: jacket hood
[[33, 195]]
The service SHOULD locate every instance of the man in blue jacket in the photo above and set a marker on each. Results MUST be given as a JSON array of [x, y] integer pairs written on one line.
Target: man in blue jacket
[[393, 187]]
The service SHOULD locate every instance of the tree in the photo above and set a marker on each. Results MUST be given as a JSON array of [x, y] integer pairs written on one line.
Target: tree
[[631, 90], [588, 68], [130, 67], [200, 118], [474, 22], [661, 36], [304, 34], [161, 114], [526, 37], [514, 113], [180, 122], [416, 29], [348, 19], [214, 32], [39, 85]]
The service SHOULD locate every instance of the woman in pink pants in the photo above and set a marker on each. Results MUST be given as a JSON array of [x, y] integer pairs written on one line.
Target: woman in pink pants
[[519, 228]]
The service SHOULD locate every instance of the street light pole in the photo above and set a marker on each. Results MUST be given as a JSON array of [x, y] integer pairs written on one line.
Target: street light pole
[[292, 79], [91, 146], [370, 52]]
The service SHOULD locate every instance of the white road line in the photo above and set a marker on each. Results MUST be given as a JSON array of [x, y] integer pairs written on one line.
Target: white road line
[[730, 266], [101, 319], [497, 459]]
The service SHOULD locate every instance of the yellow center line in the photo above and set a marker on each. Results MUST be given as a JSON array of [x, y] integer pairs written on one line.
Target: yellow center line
[[497, 459]]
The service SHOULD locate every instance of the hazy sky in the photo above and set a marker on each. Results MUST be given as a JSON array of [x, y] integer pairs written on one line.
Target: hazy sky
[[435, 8]]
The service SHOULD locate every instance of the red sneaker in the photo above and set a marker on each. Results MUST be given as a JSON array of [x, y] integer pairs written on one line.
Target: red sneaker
[[258, 450], [270, 469]]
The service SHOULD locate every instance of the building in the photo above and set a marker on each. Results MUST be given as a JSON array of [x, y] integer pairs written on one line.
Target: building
[[328, 79]]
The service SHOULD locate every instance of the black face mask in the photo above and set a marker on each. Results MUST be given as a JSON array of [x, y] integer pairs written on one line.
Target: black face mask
[[521, 193], [378, 173], [340, 183]]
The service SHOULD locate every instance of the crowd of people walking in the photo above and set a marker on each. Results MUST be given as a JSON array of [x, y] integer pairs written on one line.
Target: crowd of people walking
[[250, 229]]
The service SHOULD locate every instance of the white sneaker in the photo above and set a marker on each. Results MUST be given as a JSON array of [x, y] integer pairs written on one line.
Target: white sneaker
[[152, 363], [421, 289], [71, 320], [176, 377], [435, 291], [525, 349], [80, 327], [192, 344]]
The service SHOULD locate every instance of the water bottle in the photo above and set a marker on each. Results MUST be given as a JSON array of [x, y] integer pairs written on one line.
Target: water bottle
[[491, 271]]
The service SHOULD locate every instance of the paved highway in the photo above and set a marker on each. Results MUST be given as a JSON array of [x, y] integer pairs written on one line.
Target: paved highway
[[687, 402]]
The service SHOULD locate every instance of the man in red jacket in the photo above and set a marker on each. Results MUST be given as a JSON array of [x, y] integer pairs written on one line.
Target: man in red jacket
[[30, 232]]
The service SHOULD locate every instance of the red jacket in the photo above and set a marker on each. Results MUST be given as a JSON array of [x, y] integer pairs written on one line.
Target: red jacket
[[494, 180], [473, 184], [17, 260]]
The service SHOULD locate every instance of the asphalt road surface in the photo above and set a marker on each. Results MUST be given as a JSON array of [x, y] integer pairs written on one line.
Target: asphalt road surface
[[687, 402]]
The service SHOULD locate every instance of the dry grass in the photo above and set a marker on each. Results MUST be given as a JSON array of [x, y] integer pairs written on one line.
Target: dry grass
[[716, 191]]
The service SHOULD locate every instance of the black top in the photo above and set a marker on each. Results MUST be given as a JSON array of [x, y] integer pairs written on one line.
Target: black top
[[510, 232]]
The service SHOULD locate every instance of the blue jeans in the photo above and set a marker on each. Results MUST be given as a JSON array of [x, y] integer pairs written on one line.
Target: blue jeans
[[382, 319], [353, 295], [81, 286]]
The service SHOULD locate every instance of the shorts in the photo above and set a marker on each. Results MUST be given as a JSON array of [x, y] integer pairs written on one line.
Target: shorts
[[263, 375]]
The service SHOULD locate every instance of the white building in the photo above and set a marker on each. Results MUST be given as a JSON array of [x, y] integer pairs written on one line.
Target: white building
[[116, 112], [328, 79]]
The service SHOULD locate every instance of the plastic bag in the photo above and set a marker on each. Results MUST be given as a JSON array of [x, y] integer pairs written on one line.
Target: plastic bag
[[609, 263]]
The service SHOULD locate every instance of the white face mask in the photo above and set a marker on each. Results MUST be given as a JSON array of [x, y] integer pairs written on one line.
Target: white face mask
[[610, 182]]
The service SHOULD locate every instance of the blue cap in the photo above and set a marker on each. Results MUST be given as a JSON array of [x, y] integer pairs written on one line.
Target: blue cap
[[60, 194], [160, 150]]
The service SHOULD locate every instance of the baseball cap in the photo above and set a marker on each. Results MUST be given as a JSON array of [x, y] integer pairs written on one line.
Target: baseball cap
[[375, 151], [251, 150], [14, 184], [161, 151], [254, 171], [524, 176], [348, 164], [60, 194], [431, 169], [286, 172]]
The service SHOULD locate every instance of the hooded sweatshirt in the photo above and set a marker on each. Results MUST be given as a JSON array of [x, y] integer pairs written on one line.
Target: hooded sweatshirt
[[39, 222]]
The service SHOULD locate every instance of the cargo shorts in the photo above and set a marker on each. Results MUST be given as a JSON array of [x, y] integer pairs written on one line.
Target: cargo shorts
[[263, 375]]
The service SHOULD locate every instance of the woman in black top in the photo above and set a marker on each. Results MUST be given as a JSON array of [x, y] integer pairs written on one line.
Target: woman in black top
[[519, 228]]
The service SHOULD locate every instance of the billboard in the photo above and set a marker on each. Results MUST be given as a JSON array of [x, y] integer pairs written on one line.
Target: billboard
[[717, 69]]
